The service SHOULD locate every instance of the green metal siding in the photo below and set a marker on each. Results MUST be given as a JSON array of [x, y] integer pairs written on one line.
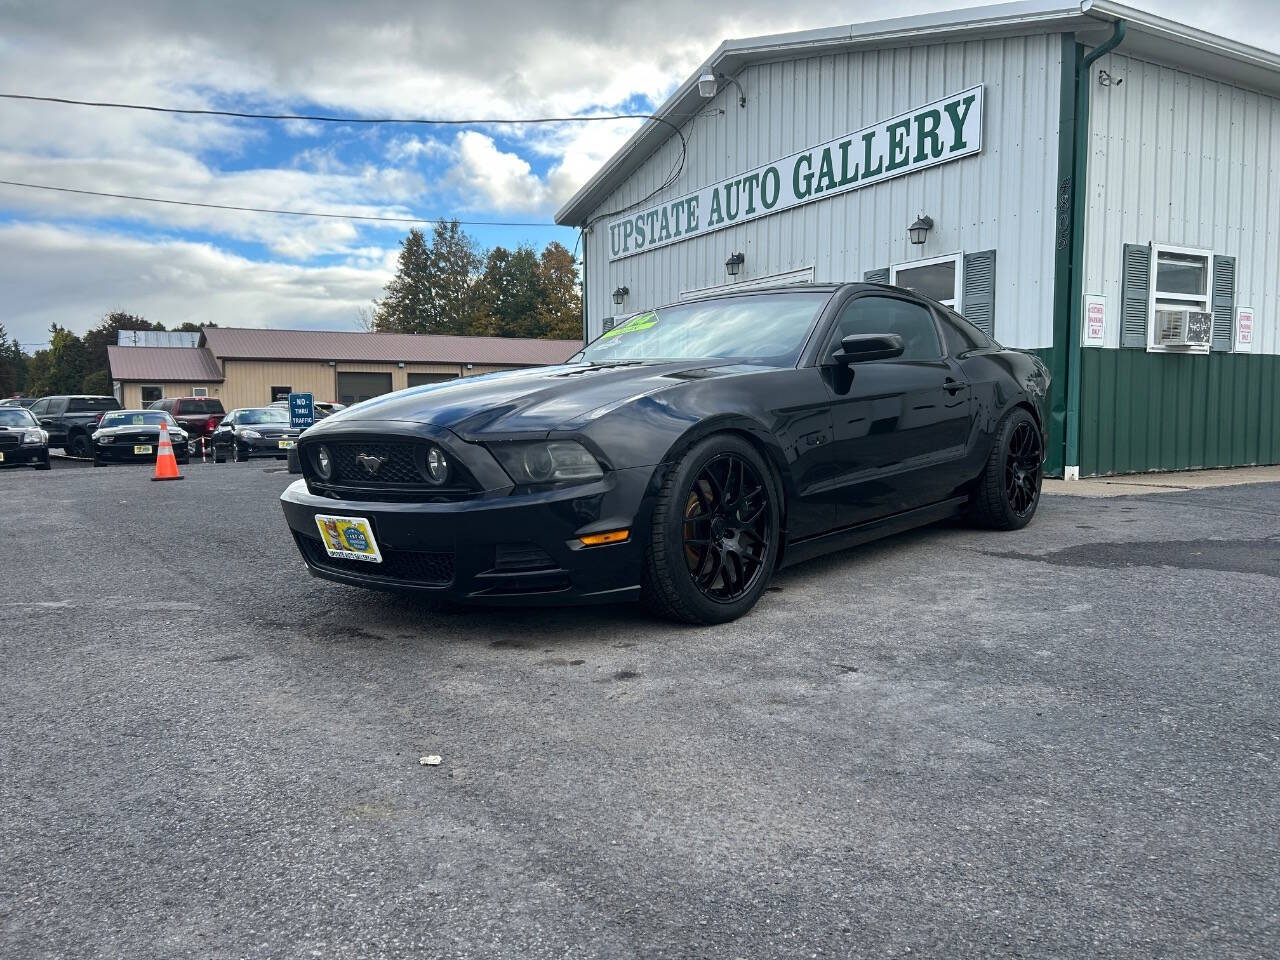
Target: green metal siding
[[1157, 411]]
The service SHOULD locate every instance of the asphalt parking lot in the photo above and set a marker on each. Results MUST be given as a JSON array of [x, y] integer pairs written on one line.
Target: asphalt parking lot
[[1060, 742]]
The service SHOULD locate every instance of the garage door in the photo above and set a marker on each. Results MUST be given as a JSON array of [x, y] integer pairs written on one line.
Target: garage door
[[354, 387]]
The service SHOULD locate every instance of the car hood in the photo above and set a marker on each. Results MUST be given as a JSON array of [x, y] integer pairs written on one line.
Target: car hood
[[525, 401]]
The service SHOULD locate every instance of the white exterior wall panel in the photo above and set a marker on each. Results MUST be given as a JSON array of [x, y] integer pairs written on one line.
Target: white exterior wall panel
[[1180, 159], [1002, 198]]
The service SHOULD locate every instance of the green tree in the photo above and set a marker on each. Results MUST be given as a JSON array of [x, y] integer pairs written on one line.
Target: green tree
[[8, 374], [433, 288], [60, 368], [187, 326], [403, 307], [508, 293]]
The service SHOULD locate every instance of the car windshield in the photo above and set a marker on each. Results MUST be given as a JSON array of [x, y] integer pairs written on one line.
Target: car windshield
[[764, 328], [263, 415], [16, 417], [136, 418]]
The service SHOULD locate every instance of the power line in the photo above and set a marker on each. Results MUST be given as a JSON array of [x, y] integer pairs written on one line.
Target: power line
[[677, 167], [286, 213], [321, 118]]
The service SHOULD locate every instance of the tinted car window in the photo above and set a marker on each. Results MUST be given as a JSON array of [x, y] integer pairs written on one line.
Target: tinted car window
[[911, 321], [160, 405], [39, 407], [962, 336], [16, 417], [200, 406], [92, 404], [262, 415]]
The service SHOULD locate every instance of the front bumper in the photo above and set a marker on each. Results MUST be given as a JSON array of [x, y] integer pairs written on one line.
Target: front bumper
[[123, 452], [265, 446], [519, 548], [24, 455]]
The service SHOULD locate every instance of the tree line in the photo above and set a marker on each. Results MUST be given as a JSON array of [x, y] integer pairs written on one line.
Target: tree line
[[71, 363], [445, 285]]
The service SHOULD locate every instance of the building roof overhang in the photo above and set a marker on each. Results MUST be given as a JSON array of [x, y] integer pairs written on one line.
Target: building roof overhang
[[1148, 36]]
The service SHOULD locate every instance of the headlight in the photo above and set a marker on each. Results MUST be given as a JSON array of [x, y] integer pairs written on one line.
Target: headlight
[[33, 436], [437, 466], [324, 462], [556, 461], [104, 438], [249, 434]]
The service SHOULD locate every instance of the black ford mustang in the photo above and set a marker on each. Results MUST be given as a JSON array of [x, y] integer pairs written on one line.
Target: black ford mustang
[[680, 458]]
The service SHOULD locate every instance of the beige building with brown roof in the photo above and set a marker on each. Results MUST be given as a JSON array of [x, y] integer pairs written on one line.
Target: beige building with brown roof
[[245, 367]]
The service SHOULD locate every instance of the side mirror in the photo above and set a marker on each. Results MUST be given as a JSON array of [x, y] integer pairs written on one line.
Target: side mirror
[[861, 347]]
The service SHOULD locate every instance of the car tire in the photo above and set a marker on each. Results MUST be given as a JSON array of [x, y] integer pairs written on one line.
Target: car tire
[[713, 534], [78, 445], [237, 454], [42, 464], [1008, 490]]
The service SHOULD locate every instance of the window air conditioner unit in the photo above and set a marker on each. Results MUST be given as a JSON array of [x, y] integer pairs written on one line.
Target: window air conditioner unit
[[1183, 328]]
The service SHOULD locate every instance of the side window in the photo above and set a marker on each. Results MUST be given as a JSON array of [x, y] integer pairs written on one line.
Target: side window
[[961, 335], [57, 406], [911, 321], [38, 408]]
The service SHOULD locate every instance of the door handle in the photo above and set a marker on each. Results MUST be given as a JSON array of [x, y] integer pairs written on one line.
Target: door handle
[[954, 386]]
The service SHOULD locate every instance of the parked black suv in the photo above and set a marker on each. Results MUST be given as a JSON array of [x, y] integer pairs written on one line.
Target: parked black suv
[[70, 421]]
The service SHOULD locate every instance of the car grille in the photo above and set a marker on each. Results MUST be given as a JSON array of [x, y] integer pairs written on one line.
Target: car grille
[[432, 569], [401, 476], [10, 441]]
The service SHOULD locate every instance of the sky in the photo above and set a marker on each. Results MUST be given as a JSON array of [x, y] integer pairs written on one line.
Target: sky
[[70, 259]]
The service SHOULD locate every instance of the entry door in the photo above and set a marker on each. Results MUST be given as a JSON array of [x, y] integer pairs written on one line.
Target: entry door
[[901, 425], [354, 387]]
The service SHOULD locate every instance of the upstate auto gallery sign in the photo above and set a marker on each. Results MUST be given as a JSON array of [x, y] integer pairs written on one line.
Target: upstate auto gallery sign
[[935, 133]]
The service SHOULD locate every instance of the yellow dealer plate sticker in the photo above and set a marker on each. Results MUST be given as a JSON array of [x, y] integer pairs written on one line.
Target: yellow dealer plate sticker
[[1, 458], [348, 538], [142, 448], [286, 444]]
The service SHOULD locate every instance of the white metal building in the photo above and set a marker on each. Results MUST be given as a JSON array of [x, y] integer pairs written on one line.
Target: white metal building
[[1091, 182]]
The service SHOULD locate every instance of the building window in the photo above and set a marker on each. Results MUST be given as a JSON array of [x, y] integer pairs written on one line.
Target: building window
[[938, 279], [151, 394], [199, 391], [280, 393], [1182, 279]]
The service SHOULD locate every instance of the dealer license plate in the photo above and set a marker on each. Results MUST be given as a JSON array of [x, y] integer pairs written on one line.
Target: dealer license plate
[[286, 444], [142, 448], [348, 538]]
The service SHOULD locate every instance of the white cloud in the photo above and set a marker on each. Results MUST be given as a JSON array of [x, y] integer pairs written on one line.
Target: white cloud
[[71, 277]]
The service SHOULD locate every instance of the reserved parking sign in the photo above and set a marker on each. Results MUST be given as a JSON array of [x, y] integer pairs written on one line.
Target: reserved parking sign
[[302, 411]]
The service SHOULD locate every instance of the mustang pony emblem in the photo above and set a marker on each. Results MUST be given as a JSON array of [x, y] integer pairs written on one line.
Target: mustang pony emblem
[[369, 463]]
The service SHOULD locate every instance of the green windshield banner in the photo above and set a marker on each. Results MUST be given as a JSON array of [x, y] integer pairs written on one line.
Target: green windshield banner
[[935, 133]]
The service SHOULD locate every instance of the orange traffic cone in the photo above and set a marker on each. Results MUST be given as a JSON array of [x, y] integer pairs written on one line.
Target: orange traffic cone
[[166, 462]]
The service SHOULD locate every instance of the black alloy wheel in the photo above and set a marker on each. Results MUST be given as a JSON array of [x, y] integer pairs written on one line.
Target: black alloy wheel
[[714, 533], [1022, 468], [726, 528], [78, 445], [1008, 491]]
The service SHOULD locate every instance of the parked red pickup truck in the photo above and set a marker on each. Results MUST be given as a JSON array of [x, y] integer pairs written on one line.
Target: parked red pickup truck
[[199, 416]]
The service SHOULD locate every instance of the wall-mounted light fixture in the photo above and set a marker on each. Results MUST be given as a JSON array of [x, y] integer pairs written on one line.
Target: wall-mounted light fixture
[[709, 86], [333, 363], [400, 364], [620, 294], [734, 264], [920, 229]]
